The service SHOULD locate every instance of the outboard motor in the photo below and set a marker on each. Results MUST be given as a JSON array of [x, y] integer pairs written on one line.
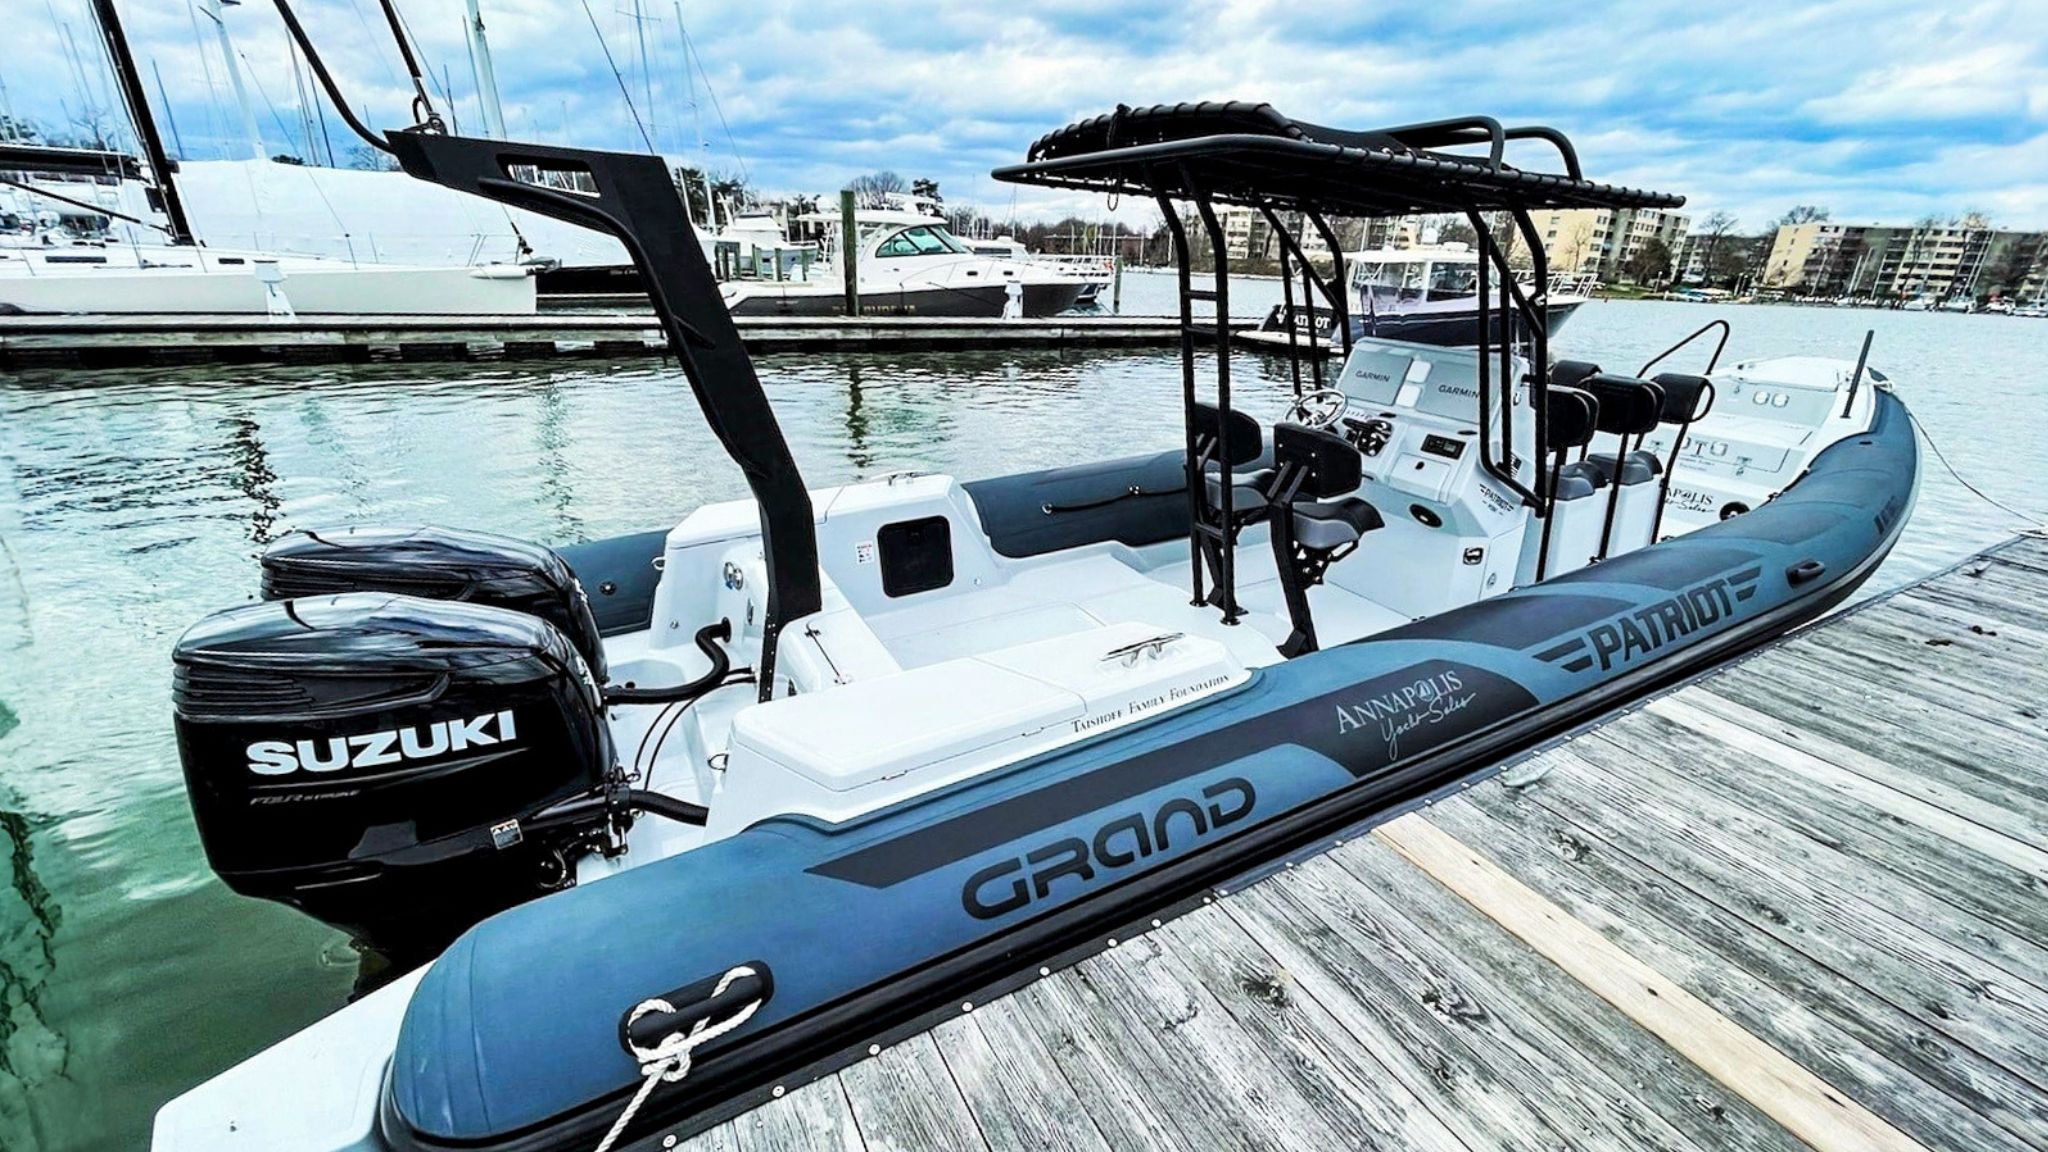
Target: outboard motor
[[438, 564], [395, 766]]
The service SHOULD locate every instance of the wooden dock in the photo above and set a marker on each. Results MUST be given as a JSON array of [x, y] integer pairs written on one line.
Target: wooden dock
[[1801, 902], [131, 341]]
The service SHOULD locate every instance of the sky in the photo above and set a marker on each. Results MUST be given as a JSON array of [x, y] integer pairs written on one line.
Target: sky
[[1882, 111]]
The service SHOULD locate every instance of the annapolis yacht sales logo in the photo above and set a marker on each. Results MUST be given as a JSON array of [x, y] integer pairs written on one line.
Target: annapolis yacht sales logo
[[1398, 711]]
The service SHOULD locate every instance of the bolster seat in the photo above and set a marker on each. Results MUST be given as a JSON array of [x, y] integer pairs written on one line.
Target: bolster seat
[[1567, 538], [1629, 408], [1247, 491], [1327, 525], [1637, 467]]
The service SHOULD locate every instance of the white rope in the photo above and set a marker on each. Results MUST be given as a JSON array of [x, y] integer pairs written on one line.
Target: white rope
[[669, 1061]]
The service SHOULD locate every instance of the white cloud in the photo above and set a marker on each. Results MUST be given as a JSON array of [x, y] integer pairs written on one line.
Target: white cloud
[[1890, 108]]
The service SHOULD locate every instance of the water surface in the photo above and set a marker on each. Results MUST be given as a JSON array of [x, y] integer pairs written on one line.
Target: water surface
[[133, 503]]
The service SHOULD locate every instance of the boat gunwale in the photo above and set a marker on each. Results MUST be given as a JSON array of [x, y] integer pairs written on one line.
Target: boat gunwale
[[810, 1045]]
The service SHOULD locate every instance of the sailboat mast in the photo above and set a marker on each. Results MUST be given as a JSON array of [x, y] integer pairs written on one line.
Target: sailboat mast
[[646, 76], [487, 76], [250, 132], [169, 113], [690, 78], [137, 99]]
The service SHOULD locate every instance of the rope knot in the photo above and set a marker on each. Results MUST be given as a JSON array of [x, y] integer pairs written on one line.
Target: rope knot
[[668, 1060]]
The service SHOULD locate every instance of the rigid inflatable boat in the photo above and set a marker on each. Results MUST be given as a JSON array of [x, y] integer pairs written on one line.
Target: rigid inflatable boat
[[711, 810]]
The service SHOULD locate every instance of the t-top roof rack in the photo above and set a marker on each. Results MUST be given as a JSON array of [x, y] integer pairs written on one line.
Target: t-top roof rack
[[1250, 154]]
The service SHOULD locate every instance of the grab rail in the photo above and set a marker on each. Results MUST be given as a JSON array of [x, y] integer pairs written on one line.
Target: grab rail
[[1643, 373]]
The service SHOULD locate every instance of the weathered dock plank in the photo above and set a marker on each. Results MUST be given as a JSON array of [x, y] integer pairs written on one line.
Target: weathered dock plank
[[1925, 1084], [1012, 1086], [1477, 1001], [905, 1100], [1796, 903], [1789, 1093], [1938, 992], [1802, 749]]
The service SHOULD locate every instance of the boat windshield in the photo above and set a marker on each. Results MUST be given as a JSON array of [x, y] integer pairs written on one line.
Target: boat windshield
[[1450, 281], [1404, 282], [923, 240], [1391, 282]]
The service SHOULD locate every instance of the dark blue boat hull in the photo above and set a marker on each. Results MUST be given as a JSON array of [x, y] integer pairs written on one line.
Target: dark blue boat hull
[[512, 1041]]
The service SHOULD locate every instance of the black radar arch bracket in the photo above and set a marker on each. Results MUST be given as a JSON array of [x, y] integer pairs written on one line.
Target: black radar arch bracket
[[633, 198]]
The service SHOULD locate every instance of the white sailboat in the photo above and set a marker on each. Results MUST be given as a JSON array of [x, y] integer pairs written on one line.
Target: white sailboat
[[126, 253]]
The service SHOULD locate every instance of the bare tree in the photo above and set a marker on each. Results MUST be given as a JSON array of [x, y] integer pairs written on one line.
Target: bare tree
[[1456, 230], [368, 159], [1804, 214], [1572, 248], [1711, 236], [874, 189]]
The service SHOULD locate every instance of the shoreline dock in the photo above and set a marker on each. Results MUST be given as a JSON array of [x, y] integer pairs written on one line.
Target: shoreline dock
[[1795, 902], [95, 342]]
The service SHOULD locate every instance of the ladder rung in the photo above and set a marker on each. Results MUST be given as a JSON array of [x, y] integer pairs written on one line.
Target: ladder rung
[[1202, 294]]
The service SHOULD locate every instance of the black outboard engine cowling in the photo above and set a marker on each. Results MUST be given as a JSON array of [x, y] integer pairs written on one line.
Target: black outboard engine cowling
[[397, 767], [438, 564]]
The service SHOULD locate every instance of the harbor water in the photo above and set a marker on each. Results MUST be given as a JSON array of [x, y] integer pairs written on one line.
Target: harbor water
[[133, 503]]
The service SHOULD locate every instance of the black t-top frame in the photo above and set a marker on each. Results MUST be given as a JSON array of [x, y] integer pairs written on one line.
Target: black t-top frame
[[633, 197], [1252, 156]]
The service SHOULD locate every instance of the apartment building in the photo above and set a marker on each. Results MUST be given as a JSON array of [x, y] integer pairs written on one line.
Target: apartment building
[[1959, 258], [1247, 235], [1603, 241]]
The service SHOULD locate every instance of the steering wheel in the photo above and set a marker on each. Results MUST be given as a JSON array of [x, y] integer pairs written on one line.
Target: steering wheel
[[1318, 409]]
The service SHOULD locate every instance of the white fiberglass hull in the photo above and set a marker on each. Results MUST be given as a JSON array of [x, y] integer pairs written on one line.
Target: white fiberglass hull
[[321, 290]]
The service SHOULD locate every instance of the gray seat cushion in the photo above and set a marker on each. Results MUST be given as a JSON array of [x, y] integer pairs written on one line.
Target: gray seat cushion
[[1636, 467], [1579, 479], [1247, 490], [1324, 525]]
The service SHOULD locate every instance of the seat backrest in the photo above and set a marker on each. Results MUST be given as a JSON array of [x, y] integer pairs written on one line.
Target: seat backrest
[[1682, 392], [1628, 406], [1331, 465], [1243, 444], [1572, 418], [1568, 373]]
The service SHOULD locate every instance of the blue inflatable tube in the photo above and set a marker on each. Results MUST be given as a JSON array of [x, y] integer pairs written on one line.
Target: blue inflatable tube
[[513, 1041]]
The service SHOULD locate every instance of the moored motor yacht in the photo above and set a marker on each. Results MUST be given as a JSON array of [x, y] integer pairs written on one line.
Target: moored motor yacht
[[1096, 272], [909, 263], [1427, 294], [976, 728]]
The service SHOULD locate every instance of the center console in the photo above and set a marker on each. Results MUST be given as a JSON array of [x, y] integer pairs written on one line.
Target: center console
[[1453, 530]]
